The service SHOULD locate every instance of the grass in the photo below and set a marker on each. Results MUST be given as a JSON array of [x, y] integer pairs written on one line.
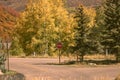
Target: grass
[[81, 78], [102, 78], [100, 57], [96, 59], [41, 78]]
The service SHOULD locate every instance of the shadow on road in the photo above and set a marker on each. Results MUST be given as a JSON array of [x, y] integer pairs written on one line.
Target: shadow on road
[[86, 62], [102, 62]]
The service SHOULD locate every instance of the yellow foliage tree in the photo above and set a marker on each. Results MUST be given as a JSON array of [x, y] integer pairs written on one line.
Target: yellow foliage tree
[[43, 24], [92, 14]]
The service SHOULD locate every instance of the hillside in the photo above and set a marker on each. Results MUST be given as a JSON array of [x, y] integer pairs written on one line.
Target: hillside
[[19, 5], [89, 3]]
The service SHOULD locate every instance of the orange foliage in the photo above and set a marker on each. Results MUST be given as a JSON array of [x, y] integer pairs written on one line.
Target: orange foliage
[[7, 21]]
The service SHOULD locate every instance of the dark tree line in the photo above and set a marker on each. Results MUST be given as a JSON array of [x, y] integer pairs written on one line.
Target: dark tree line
[[105, 33]]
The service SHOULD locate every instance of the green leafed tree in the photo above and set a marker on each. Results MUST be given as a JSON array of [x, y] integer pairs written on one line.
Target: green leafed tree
[[15, 48], [111, 33]]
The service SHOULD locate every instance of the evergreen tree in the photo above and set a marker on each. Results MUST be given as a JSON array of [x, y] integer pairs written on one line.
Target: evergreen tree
[[82, 31], [96, 30], [111, 34]]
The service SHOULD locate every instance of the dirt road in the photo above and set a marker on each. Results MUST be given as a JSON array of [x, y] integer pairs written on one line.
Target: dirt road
[[38, 69]]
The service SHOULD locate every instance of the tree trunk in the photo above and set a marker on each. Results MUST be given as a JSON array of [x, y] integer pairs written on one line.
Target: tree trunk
[[106, 53], [118, 55], [82, 58], [77, 58]]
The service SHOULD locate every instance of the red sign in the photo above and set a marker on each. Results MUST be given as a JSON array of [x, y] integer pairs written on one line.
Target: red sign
[[59, 45]]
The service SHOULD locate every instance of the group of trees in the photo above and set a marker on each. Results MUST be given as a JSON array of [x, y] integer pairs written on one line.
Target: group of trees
[[84, 30], [111, 33], [103, 36], [42, 25]]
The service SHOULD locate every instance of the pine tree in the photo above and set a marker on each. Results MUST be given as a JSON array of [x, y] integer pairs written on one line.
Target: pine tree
[[111, 34], [82, 31], [95, 34]]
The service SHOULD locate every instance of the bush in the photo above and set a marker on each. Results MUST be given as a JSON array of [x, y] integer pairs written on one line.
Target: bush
[[12, 76]]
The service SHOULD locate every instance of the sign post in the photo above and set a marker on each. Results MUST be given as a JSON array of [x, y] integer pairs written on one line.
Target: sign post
[[59, 46], [7, 46]]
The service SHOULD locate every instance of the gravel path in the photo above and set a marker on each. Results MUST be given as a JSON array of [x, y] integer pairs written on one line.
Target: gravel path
[[38, 69]]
